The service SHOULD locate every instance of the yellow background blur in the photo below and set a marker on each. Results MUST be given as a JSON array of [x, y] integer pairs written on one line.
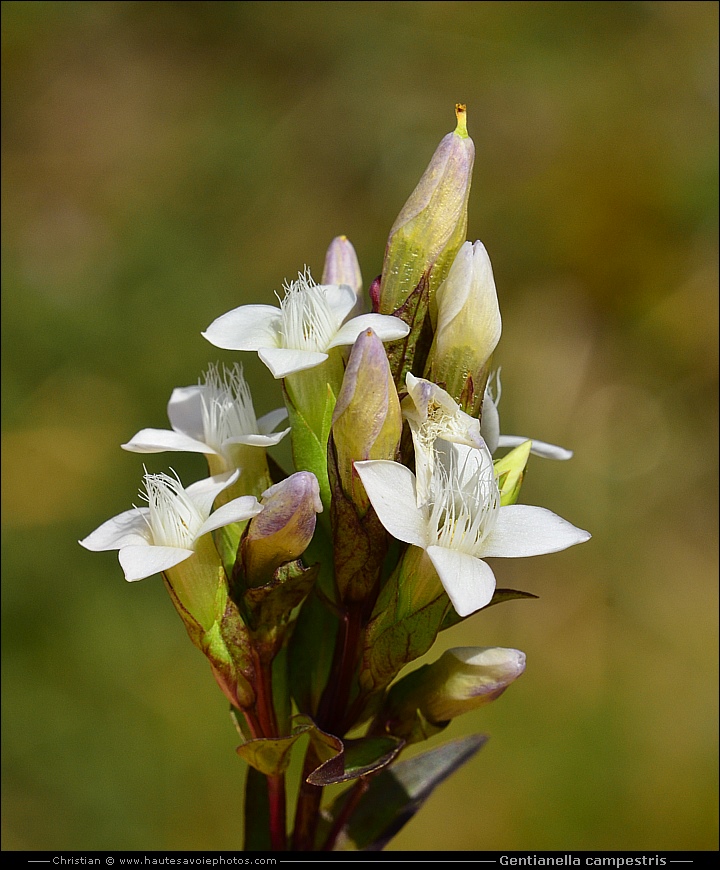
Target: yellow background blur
[[164, 162]]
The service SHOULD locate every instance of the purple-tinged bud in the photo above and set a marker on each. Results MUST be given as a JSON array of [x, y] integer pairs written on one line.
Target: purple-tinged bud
[[342, 267], [461, 680], [367, 421], [289, 514], [432, 224], [468, 328]]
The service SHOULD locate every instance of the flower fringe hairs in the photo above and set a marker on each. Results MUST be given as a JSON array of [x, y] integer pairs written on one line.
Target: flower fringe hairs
[[310, 591]]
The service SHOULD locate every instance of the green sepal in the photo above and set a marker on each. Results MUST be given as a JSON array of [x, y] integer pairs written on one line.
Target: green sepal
[[409, 353], [309, 446], [391, 644], [394, 796], [500, 595], [226, 645], [510, 471], [268, 609], [360, 542]]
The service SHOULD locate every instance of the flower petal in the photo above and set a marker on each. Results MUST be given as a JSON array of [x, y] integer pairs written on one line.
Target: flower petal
[[525, 530], [140, 562], [184, 411], [204, 492], [391, 490], [283, 361], [129, 527], [248, 327], [385, 326], [539, 448], [235, 511], [257, 440], [270, 420], [341, 298], [469, 582], [490, 423], [160, 440]]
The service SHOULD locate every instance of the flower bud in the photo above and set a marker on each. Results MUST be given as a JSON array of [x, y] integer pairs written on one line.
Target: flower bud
[[342, 267], [287, 527], [432, 224], [468, 327], [461, 680], [367, 422], [510, 471]]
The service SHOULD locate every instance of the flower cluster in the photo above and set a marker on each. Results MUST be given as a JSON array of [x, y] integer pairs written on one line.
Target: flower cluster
[[310, 590]]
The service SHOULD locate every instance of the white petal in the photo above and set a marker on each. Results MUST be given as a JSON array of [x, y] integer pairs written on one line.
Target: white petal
[[141, 562], [539, 448], [524, 530], [341, 298], [391, 490], [204, 492], [490, 423], [185, 412], [469, 582], [248, 327], [385, 326], [160, 440], [283, 361], [270, 420], [126, 528], [234, 511], [257, 440]]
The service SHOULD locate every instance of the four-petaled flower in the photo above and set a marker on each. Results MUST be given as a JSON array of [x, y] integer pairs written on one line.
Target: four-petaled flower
[[301, 333], [165, 533], [462, 523], [212, 418], [433, 413]]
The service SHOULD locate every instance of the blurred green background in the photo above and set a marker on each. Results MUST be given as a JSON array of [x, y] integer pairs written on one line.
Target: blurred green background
[[164, 162]]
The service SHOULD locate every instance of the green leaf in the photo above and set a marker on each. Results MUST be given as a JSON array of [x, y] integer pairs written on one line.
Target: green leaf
[[269, 755], [397, 793], [357, 758]]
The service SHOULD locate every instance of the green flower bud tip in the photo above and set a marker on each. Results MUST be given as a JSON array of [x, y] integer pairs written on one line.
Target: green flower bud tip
[[509, 472], [367, 421], [466, 678], [431, 225], [287, 527]]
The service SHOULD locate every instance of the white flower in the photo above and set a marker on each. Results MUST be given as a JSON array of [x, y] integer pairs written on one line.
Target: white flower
[[300, 334], [157, 537], [463, 523], [211, 418], [433, 413], [490, 429]]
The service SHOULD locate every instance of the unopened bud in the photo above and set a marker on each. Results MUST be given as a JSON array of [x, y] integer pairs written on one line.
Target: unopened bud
[[461, 680], [468, 327], [342, 267], [433, 222], [287, 527], [367, 422], [510, 471]]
